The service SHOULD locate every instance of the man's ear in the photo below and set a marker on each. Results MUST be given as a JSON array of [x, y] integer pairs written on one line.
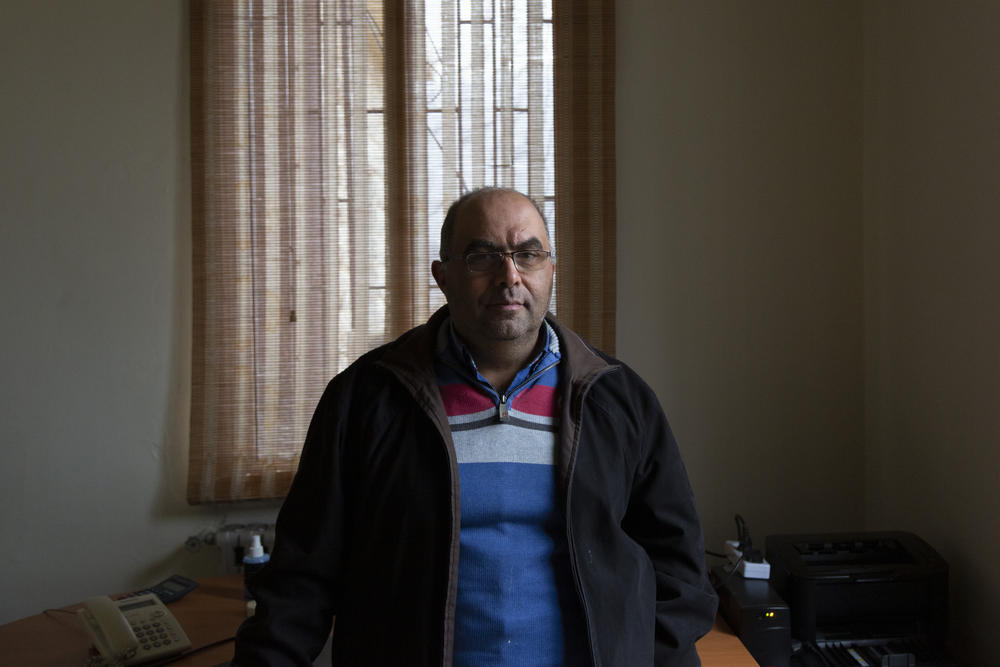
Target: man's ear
[[438, 271]]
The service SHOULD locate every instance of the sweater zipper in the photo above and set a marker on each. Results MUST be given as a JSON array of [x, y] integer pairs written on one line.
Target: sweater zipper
[[503, 410]]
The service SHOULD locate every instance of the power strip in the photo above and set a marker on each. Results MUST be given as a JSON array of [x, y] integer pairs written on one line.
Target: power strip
[[761, 570]]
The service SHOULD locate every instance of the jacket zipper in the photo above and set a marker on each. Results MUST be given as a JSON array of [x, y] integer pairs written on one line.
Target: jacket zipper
[[573, 556], [413, 385]]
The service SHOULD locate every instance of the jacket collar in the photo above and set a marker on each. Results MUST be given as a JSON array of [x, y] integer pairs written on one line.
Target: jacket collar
[[581, 361], [411, 356]]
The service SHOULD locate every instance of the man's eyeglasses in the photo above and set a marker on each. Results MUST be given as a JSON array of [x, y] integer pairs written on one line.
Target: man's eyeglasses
[[524, 260]]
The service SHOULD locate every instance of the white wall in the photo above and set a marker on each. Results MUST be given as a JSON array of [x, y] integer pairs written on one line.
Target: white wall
[[740, 293], [932, 216], [95, 289]]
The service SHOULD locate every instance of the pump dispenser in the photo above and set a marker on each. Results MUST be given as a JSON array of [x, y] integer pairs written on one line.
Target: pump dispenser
[[253, 562]]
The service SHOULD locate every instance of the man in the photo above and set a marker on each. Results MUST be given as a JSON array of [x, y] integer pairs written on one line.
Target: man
[[487, 489]]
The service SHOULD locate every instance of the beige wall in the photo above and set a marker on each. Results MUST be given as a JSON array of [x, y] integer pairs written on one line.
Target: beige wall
[[807, 239], [95, 290], [932, 218], [740, 241]]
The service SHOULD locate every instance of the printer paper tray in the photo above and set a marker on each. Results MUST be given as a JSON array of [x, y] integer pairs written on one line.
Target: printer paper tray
[[872, 652]]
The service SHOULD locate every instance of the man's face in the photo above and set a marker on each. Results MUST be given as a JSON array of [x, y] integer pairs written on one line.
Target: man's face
[[505, 304]]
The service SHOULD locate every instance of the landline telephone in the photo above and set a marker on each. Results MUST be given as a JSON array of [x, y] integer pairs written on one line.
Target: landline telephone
[[133, 630]]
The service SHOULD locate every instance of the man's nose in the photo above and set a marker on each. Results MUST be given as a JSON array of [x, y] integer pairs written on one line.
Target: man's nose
[[508, 274]]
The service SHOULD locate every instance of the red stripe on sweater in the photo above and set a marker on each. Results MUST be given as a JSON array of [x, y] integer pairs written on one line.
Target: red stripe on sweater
[[461, 399], [538, 400]]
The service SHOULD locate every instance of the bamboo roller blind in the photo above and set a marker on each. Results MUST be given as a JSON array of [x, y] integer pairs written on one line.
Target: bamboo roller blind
[[328, 139]]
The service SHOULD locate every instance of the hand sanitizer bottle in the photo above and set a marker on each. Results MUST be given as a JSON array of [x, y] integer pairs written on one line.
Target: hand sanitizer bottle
[[253, 562]]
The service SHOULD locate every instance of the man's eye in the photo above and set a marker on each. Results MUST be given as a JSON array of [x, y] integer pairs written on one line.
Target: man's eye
[[530, 255]]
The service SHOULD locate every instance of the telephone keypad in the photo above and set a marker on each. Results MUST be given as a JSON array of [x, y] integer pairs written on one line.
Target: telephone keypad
[[152, 631]]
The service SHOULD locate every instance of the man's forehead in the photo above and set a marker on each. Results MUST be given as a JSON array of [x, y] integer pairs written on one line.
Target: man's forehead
[[499, 216]]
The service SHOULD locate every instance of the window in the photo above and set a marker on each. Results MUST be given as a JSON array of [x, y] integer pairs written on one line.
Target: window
[[328, 139]]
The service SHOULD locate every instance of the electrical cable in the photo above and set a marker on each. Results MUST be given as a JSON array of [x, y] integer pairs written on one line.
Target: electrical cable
[[729, 574], [747, 552], [187, 654], [745, 543]]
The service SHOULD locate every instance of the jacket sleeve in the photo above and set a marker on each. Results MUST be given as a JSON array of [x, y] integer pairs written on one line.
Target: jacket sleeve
[[662, 518], [297, 591]]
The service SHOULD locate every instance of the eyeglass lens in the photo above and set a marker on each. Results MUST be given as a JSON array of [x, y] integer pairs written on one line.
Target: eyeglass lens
[[524, 260]]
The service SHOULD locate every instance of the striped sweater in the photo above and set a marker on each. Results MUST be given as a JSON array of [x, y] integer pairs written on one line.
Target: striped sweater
[[515, 593]]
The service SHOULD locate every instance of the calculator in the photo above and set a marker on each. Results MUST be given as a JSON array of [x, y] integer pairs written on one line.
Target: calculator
[[169, 590]]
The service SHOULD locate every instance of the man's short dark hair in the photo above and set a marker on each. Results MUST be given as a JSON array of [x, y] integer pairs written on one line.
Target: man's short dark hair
[[448, 226]]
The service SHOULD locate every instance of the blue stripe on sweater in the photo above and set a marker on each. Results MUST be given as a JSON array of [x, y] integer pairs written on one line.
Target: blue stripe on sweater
[[509, 601]]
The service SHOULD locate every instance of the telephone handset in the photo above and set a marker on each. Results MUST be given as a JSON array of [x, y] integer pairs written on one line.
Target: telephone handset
[[133, 630]]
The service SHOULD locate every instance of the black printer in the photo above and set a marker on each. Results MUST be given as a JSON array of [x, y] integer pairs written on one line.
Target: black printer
[[864, 593]]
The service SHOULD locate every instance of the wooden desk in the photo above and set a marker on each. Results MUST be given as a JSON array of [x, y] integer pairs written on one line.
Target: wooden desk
[[721, 648], [214, 611], [55, 638]]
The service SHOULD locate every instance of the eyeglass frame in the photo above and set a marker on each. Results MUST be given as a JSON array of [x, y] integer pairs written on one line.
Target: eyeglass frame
[[504, 254]]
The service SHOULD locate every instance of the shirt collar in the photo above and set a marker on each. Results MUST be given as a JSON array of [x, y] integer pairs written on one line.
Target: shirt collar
[[451, 350]]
